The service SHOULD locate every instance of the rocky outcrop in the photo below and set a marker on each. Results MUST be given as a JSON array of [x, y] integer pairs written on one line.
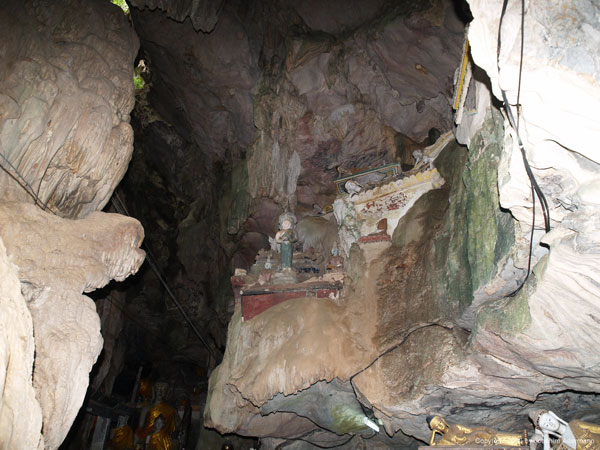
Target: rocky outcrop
[[550, 327], [57, 260], [285, 350], [66, 92], [20, 412]]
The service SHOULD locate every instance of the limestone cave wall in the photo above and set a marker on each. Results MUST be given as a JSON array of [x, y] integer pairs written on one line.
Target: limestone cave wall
[[66, 92], [66, 96]]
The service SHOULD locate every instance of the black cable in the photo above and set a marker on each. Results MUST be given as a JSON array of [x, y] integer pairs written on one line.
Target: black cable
[[122, 209], [511, 119], [521, 69], [23, 183], [535, 189]]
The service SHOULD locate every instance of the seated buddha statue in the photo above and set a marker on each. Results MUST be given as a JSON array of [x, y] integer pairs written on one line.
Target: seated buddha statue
[[160, 438], [122, 436], [456, 434], [159, 423]]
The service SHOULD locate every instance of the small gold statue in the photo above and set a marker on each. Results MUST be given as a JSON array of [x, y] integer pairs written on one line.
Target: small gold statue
[[456, 434], [159, 423], [145, 391], [122, 436]]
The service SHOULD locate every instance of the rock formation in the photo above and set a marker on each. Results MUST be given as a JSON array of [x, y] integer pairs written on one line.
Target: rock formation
[[57, 260], [20, 412], [66, 92]]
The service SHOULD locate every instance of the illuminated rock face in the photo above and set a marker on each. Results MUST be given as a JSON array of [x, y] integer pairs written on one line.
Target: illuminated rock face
[[66, 91]]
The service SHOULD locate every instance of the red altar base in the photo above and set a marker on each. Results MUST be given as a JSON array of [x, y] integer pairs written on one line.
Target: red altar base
[[375, 238], [256, 300]]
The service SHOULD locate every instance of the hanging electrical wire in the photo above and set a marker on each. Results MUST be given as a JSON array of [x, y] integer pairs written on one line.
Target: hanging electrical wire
[[122, 209], [21, 181], [535, 189]]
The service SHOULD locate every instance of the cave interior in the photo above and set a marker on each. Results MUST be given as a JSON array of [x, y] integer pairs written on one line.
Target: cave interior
[[299, 224]]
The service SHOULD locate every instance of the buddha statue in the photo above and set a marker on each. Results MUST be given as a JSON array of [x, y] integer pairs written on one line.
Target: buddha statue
[[456, 434], [575, 435], [122, 436], [160, 438], [336, 262], [155, 430], [145, 391]]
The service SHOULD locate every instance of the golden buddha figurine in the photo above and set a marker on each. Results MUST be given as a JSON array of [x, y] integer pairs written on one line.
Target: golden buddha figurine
[[587, 435], [160, 439], [575, 435], [461, 435], [159, 423], [122, 436], [145, 391]]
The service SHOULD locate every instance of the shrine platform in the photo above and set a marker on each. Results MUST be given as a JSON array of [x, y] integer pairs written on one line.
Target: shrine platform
[[256, 299]]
